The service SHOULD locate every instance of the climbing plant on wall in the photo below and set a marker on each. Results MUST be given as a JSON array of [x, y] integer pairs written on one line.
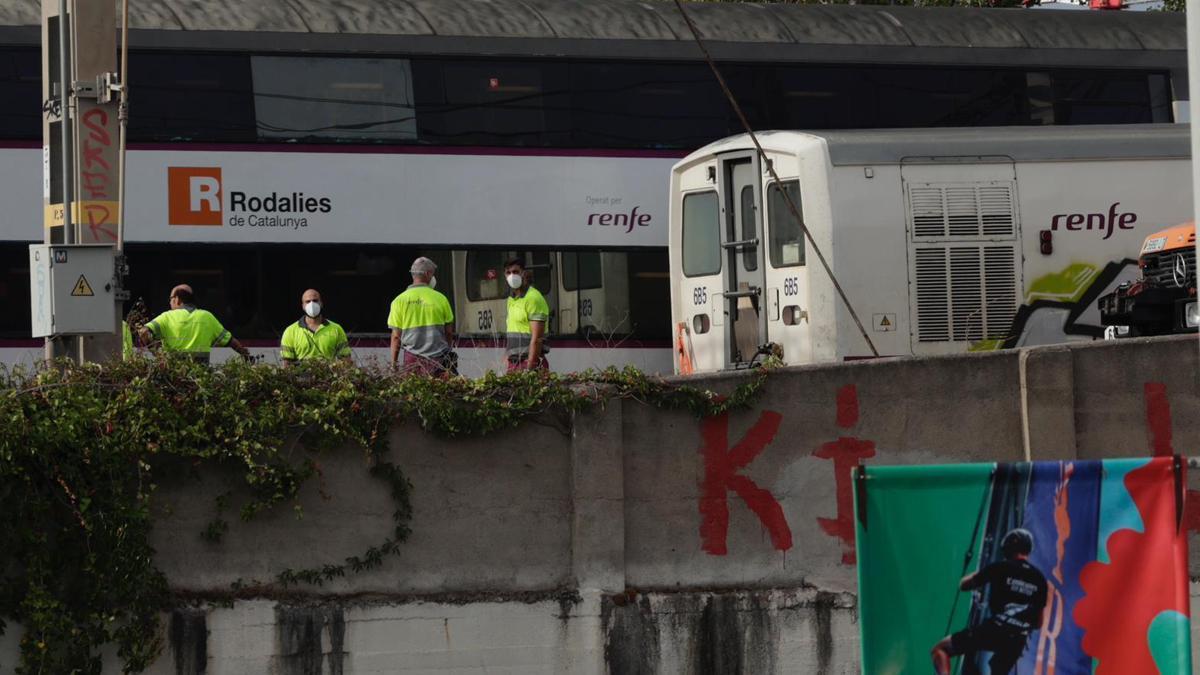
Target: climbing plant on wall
[[81, 449]]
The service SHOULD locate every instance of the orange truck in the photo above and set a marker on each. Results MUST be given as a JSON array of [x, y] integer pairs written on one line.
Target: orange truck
[[1162, 300]]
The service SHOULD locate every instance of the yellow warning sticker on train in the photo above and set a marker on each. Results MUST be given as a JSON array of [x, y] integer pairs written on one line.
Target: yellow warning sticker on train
[[884, 323], [82, 288]]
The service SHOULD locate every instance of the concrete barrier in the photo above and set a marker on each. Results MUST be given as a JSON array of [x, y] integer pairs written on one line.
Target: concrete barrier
[[630, 540]]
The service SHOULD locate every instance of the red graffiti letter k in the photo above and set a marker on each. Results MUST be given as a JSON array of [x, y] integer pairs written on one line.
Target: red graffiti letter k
[[721, 475]]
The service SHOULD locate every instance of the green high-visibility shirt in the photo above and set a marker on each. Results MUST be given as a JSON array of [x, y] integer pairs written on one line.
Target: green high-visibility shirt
[[529, 307], [300, 342], [421, 314], [188, 330], [126, 341]]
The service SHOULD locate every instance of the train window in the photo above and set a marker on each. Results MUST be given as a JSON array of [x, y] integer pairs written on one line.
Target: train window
[[924, 97], [654, 105], [14, 290], [786, 235], [825, 98], [485, 275], [749, 253], [1101, 97], [491, 102], [192, 97], [701, 234], [581, 271], [338, 99], [21, 86]]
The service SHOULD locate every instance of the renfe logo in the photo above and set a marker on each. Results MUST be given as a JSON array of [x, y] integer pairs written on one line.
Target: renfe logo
[[193, 195], [625, 220], [1096, 221]]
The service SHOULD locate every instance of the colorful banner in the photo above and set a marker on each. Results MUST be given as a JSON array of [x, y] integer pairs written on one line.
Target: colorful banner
[[1025, 569]]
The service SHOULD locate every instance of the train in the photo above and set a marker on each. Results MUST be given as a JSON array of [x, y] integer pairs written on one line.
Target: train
[[331, 148], [942, 241]]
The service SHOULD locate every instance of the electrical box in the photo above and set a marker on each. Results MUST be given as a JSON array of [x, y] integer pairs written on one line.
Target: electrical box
[[72, 289]]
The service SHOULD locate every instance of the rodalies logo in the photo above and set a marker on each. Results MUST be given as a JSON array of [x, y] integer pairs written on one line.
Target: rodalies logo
[[196, 196]]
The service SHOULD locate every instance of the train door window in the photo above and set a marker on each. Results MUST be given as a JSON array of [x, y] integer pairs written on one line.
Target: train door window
[[334, 99], [786, 235], [21, 86], [192, 97], [492, 102], [749, 253], [540, 265], [701, 234], [485, 275], [581, 271]]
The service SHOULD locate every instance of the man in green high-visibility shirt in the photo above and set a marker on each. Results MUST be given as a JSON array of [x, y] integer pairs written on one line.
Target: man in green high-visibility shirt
[[528, 314], [313, 336], [422, 324], [185, 329]]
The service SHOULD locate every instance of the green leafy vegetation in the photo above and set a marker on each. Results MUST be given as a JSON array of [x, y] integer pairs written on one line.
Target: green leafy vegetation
[[81, 449]]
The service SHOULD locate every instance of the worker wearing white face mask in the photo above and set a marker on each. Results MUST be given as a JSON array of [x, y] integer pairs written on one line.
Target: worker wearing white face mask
[[528, 313], [313, 336], [422, 324]]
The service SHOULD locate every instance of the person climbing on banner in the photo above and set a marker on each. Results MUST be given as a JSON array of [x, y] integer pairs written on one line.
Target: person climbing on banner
[[1016, 600]]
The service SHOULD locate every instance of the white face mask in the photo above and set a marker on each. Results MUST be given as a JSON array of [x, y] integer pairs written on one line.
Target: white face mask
[[514, 281], [313, 309], [433, 282]]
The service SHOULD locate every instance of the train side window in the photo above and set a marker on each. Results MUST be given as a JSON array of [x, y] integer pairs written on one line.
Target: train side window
[[192, 97], [337, 99], [492, 102], [786, 235], [655, 105], [1101, 97], [749, 253], [21, 86], [485, 275], [581, 271], [701, 234]]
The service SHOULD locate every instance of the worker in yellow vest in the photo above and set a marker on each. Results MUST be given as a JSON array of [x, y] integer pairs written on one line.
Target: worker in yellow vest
[[185, 329], [313, 336], [527, 316], [422, 324]]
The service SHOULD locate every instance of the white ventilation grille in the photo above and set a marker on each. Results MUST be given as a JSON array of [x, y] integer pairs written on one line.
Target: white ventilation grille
[[965, 292], [962, 210]]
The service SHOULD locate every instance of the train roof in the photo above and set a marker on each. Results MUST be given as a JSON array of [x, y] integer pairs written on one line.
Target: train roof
[[647, 29], [1022, 144]]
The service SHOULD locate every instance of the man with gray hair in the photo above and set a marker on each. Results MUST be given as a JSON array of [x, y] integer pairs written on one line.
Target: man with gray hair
[[422, 323]]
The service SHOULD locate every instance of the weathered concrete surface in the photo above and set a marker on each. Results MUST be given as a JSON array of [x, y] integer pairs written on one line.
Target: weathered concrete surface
[[623, 540]]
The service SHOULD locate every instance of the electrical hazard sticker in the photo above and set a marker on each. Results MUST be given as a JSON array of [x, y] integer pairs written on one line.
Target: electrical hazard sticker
[[82, 288], [884, 323]]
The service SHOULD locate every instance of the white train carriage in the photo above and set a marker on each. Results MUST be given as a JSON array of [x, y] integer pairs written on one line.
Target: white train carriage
[[588, 292], [944, 240]]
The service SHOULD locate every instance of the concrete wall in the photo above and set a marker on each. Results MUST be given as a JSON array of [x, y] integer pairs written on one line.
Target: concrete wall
[[630, 540]]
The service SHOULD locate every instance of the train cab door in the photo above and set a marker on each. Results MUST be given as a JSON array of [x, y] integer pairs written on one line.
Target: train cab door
[[788, 296], [742, 297]]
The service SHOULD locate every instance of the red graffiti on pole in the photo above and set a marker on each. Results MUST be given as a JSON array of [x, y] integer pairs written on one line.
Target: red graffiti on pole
[[846, 452], [97, 174], [1158, 424], [721, 467]]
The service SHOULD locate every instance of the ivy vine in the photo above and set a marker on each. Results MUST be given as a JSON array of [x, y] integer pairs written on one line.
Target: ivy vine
[[81, 446]]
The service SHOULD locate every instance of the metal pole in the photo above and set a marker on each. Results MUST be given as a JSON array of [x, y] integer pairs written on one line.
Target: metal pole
[[64, 84], [1193, 62], [123, 116]]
